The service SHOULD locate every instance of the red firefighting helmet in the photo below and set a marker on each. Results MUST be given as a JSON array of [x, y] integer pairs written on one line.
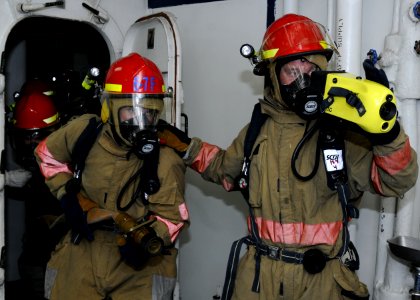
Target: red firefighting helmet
[[133, 84], [35, 111], [295, 35], [36, 85], [134, 74]]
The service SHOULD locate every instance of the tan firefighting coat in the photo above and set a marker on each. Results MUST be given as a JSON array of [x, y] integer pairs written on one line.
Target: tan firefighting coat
[[98, 263], [297, 215]]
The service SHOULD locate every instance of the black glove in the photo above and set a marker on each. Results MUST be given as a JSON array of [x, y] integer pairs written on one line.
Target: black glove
[[173, 137], [384, 138], [374, 74], [379, 76], [132, 253], [75, 216], [136, 250], [136, 243]]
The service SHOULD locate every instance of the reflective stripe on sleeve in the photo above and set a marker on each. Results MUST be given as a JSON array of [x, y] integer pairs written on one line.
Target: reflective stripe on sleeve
[[174, 229], [396, 161], [49, 166], [183, 212], [204, 157], [391, 164]]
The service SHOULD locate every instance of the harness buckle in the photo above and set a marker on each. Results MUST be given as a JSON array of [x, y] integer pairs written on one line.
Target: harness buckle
[[274, 252]]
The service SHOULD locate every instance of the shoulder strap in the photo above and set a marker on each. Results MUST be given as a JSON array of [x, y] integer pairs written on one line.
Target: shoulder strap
[[83, 145], [257, 120]]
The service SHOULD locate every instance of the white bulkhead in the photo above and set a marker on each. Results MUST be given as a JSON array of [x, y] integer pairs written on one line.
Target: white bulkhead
[[68, 37]]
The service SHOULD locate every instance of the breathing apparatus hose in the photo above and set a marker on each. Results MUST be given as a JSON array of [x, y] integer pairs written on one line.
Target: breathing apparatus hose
[[148, 181], [308, 134]]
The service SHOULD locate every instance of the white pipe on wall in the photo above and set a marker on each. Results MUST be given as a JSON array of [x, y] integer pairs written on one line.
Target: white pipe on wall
[[408, 62], [402, 67], [385, 232], [331, 29], [349, 35], [390, 54], [291, 7], [330, 18]]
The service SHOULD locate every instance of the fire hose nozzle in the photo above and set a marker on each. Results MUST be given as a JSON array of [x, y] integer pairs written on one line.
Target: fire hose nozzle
[[141, 234]]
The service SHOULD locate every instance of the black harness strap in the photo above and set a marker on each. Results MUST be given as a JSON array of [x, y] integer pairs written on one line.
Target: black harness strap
[[78, 156], [82, 147], [257, 120]]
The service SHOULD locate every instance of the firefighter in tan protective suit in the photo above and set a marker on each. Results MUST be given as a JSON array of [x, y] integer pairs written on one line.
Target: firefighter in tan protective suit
[[298, 243], [123, 196]]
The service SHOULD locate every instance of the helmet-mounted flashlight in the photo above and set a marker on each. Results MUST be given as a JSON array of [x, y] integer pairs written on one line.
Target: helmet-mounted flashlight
[[248, 51], [170, 92]]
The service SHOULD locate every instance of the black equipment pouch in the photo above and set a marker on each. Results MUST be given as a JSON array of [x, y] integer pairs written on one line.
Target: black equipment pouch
[[314, 261]]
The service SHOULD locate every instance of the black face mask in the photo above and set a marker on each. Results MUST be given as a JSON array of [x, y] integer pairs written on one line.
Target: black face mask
[[146, 144], [129, 131], [24, 143], [302, 98]]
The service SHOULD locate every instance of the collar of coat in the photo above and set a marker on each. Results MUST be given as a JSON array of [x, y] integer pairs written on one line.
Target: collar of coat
[[278, 114]]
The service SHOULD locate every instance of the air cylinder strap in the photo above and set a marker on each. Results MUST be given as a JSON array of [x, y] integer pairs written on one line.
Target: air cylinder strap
[[332, 147]]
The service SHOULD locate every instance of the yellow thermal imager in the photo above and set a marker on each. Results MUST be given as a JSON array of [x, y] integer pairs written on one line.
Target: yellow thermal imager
[[365, 103]]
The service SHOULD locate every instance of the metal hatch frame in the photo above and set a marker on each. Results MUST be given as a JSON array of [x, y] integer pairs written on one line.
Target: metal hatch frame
[[173, 67]]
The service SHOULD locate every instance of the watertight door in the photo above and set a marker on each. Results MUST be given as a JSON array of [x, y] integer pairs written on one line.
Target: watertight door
[[156, 37]]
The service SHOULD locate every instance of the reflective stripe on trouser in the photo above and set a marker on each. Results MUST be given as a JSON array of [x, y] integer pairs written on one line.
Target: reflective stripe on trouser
[[280, 280], [94, 270]]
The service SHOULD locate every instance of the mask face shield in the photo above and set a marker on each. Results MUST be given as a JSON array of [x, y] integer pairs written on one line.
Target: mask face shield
[[294, 80], [132, 113], [295, 72]]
